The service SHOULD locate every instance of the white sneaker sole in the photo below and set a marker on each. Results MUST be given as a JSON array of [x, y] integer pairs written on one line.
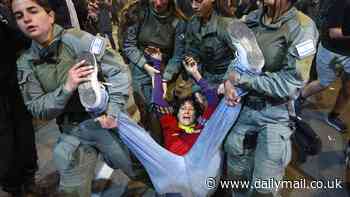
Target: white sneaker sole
[[89, 92], [247, 40]]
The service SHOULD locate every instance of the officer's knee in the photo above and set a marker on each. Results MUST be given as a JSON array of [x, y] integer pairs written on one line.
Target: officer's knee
[[64, 150], [77, 171]]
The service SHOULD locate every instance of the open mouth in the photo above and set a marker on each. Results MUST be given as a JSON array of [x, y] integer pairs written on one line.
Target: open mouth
[[31, 28], [187, 118]]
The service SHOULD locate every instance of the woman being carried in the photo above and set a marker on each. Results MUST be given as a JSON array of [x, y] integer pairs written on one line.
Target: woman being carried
[[197, 157]]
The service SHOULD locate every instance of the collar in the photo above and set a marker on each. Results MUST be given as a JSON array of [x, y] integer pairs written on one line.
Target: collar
[[188, 129], [57, 32], [49, 53], [164, 15], [281, 20], [201, 30], [211, 25]]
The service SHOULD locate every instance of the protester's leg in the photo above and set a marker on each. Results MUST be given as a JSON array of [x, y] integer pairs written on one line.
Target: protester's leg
[[108, 143], [212, 135], [110, 152], [156, 160], [76, 164]]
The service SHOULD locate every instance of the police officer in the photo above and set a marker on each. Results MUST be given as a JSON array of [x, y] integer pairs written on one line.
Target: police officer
[[159, 24], [18, 162], [49, 77], [207, 40], [287, 39]]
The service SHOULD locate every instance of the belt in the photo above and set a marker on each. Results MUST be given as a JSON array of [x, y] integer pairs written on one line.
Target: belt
[[259, 103], [73, 118]]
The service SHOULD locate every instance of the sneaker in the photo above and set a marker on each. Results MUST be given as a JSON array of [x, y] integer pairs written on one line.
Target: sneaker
[[248, 51], [89, 92], [336, 123]]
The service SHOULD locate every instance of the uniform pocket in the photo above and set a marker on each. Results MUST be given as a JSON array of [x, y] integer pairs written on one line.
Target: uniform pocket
[[64, 151], [234, 144], [278, 144], [287, 153]]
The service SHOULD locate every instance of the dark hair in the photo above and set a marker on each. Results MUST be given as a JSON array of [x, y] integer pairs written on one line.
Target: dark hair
[[278, 13], [220, 6], [179, 103], [43, 3], [130, 13]]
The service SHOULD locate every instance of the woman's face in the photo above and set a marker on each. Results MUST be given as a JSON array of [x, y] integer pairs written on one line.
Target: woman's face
[[33, 20], [160, 6], [202, 8], [277, 4], [186, 115], [229, 7]]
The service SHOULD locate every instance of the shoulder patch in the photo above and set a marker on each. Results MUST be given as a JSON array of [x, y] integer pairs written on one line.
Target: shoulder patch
[[96, 46], [305, 48]]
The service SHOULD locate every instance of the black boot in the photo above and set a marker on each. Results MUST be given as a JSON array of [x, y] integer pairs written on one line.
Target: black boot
[[15, 191]]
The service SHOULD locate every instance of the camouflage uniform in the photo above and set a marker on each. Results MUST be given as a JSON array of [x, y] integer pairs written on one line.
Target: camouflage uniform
[[42, 73], [288, 46], [211, 46]]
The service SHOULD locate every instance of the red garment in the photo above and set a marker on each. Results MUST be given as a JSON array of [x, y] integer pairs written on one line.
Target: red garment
[[176, 140]]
